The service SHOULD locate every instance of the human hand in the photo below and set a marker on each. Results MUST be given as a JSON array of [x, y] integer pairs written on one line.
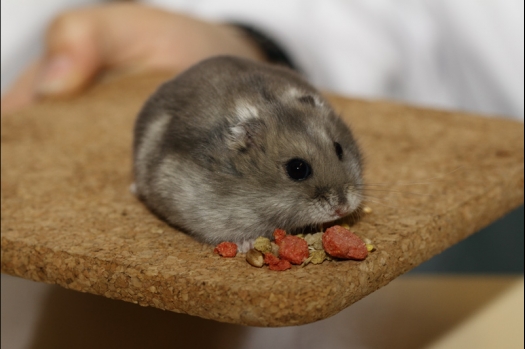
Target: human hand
[[119, 38]]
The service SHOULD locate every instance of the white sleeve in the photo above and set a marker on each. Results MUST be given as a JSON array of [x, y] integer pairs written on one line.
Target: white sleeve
[[462, 55], [318, 35]]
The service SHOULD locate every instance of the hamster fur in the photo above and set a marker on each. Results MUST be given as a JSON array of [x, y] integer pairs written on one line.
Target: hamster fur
[[232, 149]]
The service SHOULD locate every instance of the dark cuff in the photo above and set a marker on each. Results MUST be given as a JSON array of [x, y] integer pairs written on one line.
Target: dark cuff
[[273, 52]]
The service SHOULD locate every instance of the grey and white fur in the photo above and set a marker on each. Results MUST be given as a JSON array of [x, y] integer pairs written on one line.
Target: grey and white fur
[[212, 151]]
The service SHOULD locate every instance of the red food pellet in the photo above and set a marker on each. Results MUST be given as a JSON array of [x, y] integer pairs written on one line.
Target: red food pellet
[[274, 263], [280, 266], [293, 249], [342, 243], [226, 249], [270, 258], [279, 235]]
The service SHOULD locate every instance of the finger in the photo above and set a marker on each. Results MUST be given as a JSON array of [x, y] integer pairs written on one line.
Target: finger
[[73, 55], [21, 93]]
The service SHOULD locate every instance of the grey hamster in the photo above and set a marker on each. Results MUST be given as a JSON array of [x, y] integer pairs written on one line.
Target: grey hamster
[[232, 149]]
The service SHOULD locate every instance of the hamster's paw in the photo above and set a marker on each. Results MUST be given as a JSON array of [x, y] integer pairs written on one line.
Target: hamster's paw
[[245, 246], [133, 188]]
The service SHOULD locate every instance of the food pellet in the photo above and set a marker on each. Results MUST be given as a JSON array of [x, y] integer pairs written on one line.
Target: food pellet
[[255, 258], [342, 243], [274, 263], [226, 249], [275, 248], [280, 266], [367, 209], [278, 235], [262, 244], [315, 240], [318, 257], [293, 249], [270, 258]]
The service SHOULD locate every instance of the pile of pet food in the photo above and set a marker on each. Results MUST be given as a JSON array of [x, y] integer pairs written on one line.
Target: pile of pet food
[[337, 242]]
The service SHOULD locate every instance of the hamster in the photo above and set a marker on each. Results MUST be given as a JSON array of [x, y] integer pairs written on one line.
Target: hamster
[[232, 149]]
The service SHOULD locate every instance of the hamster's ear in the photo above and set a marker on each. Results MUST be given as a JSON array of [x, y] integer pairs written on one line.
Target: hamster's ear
[[247, 128], [304, 97], [246, 135]]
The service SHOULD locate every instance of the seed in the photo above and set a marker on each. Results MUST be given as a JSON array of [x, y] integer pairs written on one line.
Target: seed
[[255, 258], [367, 209]]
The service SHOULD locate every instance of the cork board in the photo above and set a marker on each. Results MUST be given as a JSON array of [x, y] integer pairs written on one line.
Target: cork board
[[69, 219]]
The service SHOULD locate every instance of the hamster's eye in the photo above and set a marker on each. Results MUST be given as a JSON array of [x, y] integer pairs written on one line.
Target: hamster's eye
[[298, 169], [338, 150]]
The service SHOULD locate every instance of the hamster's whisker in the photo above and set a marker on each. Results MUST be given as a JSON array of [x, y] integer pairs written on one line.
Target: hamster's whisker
[[367, 196], [379, 202], [356, 215], [396, 191], [385, 188], [376, 200], [422, 182], [392, 184]]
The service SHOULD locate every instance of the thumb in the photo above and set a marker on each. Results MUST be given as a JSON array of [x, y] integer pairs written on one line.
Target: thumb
[[73, 55]]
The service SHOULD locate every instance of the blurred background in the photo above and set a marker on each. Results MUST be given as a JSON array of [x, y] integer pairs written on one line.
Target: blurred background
[[464, 55]]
